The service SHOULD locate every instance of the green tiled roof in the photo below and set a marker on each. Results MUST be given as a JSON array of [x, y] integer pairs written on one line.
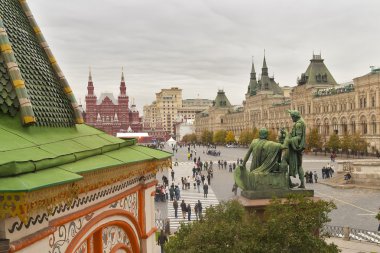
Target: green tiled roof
[[53, 149], [51, 156], [51, 106], [8, 99], [221, 100], [317, 73]]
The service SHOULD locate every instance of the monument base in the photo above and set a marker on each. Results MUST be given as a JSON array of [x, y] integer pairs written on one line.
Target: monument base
[[259, 205], [277, 193]]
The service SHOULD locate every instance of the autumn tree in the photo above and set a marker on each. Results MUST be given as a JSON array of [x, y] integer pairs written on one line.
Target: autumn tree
[[272, 135], [358, 144], [230, 137], [314, 139], [220, 137], [189, 138], [206, 137], [286, 227], [345, 142], [334, 142]]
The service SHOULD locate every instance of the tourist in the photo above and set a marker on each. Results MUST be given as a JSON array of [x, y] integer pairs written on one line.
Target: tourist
[[172, 174], [177, 192], [315, 177], [199, 209], [196, 210], [183, 209], [188, 209], [198, 180], [234, 189], [171, 192], [162, 239], [175, 206], [208, 179], [205, 190]]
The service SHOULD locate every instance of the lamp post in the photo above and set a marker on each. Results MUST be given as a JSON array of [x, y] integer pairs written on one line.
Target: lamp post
[[349, 151], [340, 151]]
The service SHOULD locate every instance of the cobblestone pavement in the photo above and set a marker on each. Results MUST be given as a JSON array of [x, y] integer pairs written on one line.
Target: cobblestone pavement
[[355, 207]]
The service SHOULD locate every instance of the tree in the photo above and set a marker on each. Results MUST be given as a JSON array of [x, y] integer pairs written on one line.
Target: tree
[[272, 135], [189, 138], [220, 137], [243, 138], [358, 144], [288, 226], [230, 137], [314, 139], [206, 137], [345, 142], [334, 142]]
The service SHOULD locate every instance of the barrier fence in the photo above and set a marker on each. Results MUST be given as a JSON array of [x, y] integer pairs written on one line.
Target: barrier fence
[[347, 233]]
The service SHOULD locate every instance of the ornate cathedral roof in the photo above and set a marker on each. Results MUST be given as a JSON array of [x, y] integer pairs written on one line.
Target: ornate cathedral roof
[[31, 81], [48, 147]]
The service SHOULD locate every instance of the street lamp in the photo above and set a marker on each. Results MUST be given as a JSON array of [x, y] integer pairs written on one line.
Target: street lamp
[[349, 151]]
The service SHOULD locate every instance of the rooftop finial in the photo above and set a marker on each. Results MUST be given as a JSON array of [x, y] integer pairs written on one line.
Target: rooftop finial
[[122, 74], [89, 74]]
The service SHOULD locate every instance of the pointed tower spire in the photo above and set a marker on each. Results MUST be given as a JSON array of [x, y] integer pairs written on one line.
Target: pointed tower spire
[[122, 74], [123, 88], [253, 72], [264, 71], [90, 85], [89, 74]]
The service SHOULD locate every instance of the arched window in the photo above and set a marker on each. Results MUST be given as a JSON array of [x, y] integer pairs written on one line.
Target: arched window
[[353, 125], [373, 123], [363, 123], [344, 125], [335, 125], [326, 127]]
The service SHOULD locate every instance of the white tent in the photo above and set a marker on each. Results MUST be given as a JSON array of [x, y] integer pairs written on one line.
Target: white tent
[[171, 142]]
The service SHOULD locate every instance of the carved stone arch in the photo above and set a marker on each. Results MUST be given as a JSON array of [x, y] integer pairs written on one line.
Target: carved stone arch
[[94, 230], [326, 127]]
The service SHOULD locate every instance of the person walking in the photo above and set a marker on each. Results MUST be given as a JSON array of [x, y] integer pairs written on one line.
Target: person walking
[[196, 210], [315, 177], [234, 189], [188, 209], [177, 192], [171, 192], [199, 209], [205, 190], [208, 179], [175, 206], [183, 209], [162, 239], [172, 174]]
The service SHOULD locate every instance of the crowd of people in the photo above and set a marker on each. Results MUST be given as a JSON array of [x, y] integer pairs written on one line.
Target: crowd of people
[[328, 171]]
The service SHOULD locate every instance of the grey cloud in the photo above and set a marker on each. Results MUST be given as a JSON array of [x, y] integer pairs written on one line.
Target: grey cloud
[[201, 46]]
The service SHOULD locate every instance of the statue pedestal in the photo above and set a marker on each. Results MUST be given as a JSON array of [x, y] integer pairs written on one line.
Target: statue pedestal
[[259, 205], [278, 193]]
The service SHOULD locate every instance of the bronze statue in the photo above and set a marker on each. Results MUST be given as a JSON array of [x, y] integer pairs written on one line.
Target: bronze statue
[[271, 169]]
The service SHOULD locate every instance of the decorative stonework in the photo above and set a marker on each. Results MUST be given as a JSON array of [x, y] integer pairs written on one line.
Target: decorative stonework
[[62, 197], [129, 203], [112, 236]]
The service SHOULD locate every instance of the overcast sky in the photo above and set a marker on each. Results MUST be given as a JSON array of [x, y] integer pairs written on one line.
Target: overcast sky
[[203, 46]]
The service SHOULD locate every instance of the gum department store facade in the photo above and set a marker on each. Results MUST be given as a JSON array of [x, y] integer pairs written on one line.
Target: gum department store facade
[[324, 104]]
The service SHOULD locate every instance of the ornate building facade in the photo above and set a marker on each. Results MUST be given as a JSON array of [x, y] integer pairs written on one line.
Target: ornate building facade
[[326, 105], [109, 114], [168, 110]]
